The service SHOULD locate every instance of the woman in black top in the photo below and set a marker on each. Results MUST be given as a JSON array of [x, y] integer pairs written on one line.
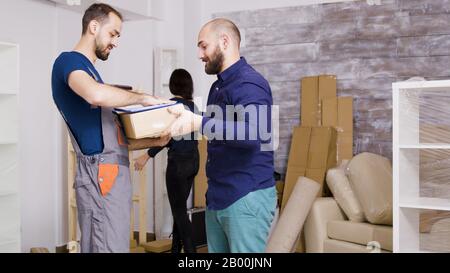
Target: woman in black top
[[182, 166]]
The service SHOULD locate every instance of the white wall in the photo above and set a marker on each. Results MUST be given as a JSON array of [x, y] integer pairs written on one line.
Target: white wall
[[32, 25]]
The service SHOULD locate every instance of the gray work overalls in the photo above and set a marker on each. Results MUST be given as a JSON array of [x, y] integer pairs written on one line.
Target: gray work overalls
[[104, 191]]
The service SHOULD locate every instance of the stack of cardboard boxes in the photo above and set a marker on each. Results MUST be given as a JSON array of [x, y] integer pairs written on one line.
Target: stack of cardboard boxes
[[325, 136]]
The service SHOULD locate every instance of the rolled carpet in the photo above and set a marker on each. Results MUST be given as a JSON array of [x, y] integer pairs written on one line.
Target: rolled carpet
[[293, 217]]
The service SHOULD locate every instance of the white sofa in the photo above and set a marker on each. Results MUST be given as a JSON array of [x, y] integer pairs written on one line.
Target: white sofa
[[327, 230], [362, 192]]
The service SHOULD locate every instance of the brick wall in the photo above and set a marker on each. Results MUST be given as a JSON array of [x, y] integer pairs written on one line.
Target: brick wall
[[367, 47]]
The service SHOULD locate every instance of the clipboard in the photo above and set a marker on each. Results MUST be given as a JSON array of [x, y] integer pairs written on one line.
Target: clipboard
[[132, 109]]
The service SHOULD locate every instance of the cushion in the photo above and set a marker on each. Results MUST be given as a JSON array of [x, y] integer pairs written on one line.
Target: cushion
[[370, 177], [361, 233], [335, 246], [339, 185]]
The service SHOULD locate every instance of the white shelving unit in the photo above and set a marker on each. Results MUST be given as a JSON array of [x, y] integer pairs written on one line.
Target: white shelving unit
[[9, 149], [421, 165]]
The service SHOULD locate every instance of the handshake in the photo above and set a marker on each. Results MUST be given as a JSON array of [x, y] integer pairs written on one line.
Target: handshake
[[185, 123]]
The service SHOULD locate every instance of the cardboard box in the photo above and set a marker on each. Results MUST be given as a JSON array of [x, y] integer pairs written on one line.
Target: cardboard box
[[297, 161], [201, 181], [338, 112], [312, 153], [327, 87], [345, 129], [322, 156], [146, 122], [314, 90], [344, 147], [345, 114], [322, 148], [330, 112], [310, 101]]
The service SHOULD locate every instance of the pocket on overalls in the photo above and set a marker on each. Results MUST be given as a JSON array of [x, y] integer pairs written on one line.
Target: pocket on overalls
[[107, 174]]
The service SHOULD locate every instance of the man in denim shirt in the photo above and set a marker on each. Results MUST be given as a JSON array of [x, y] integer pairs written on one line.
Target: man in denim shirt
[[241, 197]]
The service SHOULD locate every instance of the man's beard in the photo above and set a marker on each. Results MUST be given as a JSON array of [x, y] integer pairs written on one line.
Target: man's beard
[[101, 53], [215, 63]]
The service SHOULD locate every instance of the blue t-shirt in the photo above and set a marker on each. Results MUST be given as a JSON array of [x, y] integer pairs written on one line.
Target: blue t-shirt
[[83, 119]]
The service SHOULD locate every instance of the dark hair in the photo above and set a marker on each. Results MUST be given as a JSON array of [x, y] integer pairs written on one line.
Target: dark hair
[[98, 12], [181, 84]]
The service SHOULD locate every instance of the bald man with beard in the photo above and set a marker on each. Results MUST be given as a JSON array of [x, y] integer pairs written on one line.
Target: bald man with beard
[[241, 197]]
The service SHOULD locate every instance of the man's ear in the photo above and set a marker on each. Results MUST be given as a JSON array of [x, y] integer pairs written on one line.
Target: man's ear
[[94, 26], [224, 41]]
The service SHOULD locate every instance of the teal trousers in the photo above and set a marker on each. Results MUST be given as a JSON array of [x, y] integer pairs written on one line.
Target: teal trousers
[[244, 226]]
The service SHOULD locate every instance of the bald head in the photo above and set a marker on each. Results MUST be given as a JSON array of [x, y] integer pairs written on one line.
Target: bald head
[[222, 26], [218, 43]]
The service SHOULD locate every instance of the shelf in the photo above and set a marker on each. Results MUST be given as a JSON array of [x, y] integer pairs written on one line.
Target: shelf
[[9, 67], [426, 146], [10, 246], [9, 142], [8, 193], [8, 92], [8, 178], [426, 203], [423, 85], [10, 119], [421, 160]]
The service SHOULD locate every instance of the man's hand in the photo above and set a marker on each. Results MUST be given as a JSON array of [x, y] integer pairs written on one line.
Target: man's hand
[[139, 163], [145, 143], [185, 123]]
